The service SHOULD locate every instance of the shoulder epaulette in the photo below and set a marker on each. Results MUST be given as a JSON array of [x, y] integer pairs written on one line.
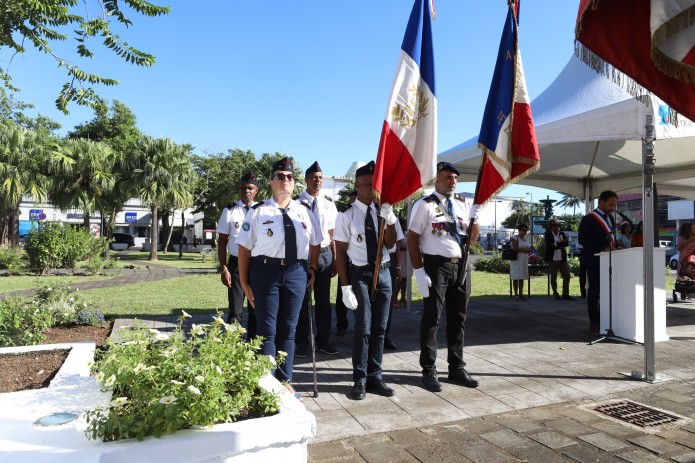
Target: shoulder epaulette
[[347, 206], [255, 206], [296, 198], [304, 204], [328, 198], [430, 198], [460, 197], [229, 205]]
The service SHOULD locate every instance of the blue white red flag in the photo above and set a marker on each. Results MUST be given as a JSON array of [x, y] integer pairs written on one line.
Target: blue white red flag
[[507, 136], [406, 159]]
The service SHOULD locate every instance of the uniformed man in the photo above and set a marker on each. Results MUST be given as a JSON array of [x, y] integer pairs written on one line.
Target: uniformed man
[[596, 234], [277, 240], [341, 319], [438, 230], [228, 229], [356, 240], [325, 212]]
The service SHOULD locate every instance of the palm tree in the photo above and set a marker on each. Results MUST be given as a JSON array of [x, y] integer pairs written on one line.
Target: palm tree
[[570, 201], [21, 155], [82, 175], [162, 175]]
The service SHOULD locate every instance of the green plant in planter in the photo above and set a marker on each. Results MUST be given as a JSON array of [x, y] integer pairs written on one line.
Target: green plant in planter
[[162, 383]]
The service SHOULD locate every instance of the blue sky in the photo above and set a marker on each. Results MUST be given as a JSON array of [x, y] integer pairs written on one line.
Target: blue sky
[[310, 79]]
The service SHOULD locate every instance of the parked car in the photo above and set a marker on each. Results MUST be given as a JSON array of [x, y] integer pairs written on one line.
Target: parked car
[[673, 262], [123, 238]]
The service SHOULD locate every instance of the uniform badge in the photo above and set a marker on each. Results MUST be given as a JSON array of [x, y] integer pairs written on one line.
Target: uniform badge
[[437, 210], [359, 238], [236, 224], [270, 232], [304, 225], [246, 226]]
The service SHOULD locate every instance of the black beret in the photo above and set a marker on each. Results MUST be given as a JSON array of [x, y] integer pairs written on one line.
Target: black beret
[[283, 164], [447, 166], [367, 169], [249, 177], [313, 169]]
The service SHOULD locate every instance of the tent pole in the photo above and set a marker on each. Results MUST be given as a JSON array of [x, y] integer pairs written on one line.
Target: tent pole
[[648, 251]]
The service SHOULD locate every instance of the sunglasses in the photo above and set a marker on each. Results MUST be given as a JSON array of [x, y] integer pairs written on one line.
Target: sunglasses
[[280, 176]]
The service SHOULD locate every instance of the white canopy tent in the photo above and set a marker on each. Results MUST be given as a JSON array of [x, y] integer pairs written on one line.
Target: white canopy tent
[[590, 134]]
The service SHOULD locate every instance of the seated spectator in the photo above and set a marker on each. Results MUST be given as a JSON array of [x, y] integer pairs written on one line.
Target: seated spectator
[[685, 234], [624, 235], [637, 239]]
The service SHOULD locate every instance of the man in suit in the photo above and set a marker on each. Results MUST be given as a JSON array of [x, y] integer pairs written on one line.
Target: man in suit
[[556, 244], [596, 234]]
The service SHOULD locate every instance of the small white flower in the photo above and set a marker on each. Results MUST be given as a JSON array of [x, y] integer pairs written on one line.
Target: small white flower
[[49, 289], [139, 368], [219, 370], [161, 337], [110, 380], [217, 319], [197, 330], [153, 331], [193, 390], [119, 402], [178, 383], [72, 299], [168, 351], [272, 360], [167, 400], [90, 364], [77, 289], [100, 376], [217, 340], [199, 378], [282, 353], [185, 314]]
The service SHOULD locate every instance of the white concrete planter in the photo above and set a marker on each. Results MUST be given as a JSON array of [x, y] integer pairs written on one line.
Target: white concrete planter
[[282, 437], [146, 246], [119, 246]]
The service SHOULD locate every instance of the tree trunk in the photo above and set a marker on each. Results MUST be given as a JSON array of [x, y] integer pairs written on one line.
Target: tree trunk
[[183, 228], [85, 220], [154, 233], [13, 228], [167, 228]]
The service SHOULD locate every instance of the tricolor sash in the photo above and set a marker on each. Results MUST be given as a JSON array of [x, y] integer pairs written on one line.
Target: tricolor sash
[[605, 225]]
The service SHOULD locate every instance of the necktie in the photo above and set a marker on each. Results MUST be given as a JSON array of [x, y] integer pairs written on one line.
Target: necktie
[[314, 206], [370, 236], [290, 237], [246, 208], [453, 229]]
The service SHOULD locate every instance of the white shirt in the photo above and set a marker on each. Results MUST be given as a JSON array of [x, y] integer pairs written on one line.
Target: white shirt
[[429, 219], [325, 213], [230, 224], [399, 236], [557, 255], [349, 228], [263, 231]]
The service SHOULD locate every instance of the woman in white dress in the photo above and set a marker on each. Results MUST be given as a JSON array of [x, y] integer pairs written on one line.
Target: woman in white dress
[[518, 268]]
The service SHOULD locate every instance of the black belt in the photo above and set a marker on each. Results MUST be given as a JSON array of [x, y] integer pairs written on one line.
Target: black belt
[[440, 259], [276, 261], [368, 267]]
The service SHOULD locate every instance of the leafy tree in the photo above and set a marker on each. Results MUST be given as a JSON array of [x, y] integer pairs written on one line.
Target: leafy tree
[[43, 23], [162, 176], [82, 175], [13, 109], [22, 154]]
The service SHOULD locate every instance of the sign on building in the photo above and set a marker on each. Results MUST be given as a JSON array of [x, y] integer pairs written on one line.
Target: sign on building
[[131, 217], [680, 210], [37, 214]]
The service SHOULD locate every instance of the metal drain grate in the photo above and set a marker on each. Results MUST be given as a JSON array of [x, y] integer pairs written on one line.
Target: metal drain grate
[[637, 414]]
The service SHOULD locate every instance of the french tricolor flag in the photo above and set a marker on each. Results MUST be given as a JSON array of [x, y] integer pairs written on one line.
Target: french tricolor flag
[[507, 136], [407, 151]]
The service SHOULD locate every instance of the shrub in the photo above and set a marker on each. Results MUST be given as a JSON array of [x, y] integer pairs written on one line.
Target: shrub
[[493, 264], [65, 307], [22, 324], [54, 245], [10, 259], [476, 249], [165, 383], [96, 262]]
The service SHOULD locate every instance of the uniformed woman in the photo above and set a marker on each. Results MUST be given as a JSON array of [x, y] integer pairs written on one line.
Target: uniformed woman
[[279, 246]]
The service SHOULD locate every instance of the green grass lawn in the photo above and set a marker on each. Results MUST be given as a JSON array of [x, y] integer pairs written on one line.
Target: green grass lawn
[[18, 283], [188, 260]]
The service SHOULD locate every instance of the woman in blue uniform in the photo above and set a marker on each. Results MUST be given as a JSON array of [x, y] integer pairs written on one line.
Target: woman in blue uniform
[[279, 246]]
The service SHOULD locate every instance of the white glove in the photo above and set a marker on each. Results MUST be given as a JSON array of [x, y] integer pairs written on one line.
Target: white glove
[[349, 298], [475, 212], [423, 281], [386, 212]]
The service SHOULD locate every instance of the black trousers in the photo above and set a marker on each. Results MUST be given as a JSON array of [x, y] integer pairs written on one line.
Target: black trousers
[[235, 297], [322, 303], [593, 296], [582, 276], [443, 291], [393, 271], [555, 266]]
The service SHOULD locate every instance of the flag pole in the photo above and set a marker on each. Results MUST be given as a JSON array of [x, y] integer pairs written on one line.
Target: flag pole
[[377, 264], [460, 279]]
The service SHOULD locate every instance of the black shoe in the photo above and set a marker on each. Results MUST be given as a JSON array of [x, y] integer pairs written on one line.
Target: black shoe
[[300, 351], [328, 349], [463, 378], [390, 345], [379, 387], [340, 331], [557, 297], [568, 298], [358, 391], [430, 381]]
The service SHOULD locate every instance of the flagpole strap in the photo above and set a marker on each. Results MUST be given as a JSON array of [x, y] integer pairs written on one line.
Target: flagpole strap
[[433, 10]]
